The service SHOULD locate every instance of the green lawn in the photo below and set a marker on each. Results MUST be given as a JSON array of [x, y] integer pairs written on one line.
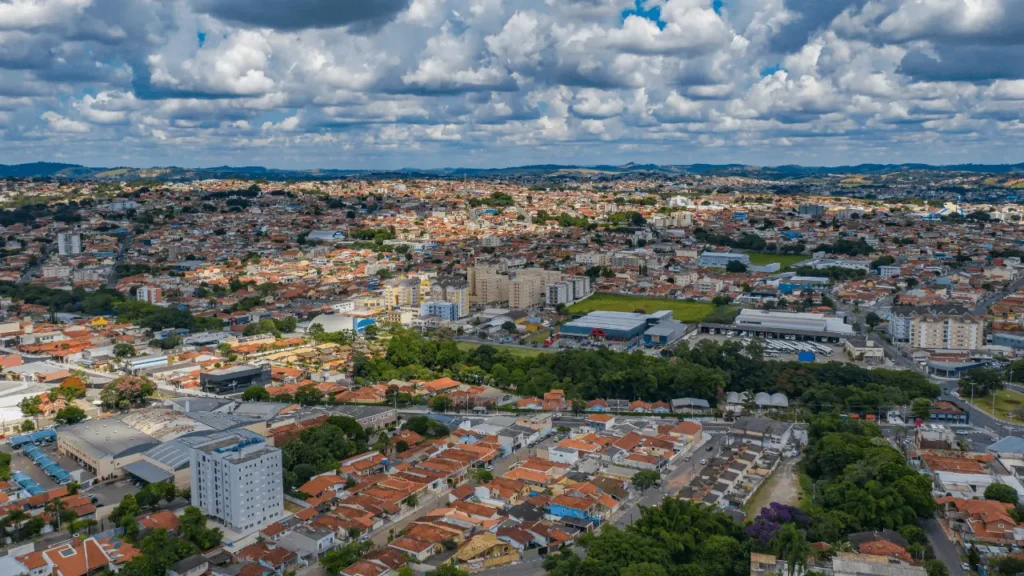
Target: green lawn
[[513, 350], [682, 311], [1006, 401], [784, 260]]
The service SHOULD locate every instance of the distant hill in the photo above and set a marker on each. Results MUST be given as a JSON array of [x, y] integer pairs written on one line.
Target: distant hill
[[174, 173]]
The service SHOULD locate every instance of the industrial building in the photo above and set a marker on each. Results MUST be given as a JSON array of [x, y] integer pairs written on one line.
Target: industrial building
[[238, 479], [722, 259], [792, 325], [104, 447], [621, 326], [234, 379], [350, 322]]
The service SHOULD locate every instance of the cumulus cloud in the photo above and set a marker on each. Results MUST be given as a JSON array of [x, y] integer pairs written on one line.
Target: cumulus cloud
[[498, 82]]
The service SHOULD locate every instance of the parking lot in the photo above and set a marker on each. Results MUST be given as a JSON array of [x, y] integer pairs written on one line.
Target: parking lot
[[784, 349], [23, 463]]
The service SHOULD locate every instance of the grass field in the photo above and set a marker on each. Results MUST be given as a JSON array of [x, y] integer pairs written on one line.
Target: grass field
[[513, 350], [682, 311], [1006, 401], [784, 260]]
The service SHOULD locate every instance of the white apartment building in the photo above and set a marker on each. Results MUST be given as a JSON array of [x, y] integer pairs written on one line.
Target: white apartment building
[[150, 294], [69, 244], [592, 259], [943, 332], [237, 479], [529, 287]]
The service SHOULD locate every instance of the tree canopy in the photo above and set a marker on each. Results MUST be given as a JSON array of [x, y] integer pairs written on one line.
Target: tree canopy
[[677, 538]]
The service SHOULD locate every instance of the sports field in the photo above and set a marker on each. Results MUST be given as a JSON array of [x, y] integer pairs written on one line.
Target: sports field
[[784, 260], [682, 311]]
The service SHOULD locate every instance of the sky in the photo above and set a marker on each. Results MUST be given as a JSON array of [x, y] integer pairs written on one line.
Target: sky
[[387, 84]]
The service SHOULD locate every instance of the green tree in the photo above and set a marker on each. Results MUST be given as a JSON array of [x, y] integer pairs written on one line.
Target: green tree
[[124, 350], [340, 558], [440, 403], [921, 408], [791, 545], [256, 394], [482, 475], [1001, 492], [193, 529], [646, 479], [70, 415], [936, 568], [30, 406], [309, 395], [872, 320], [28, 426], [735, 266]]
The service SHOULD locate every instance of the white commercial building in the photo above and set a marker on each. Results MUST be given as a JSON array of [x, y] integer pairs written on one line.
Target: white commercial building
[[237, 479], [762, 320], [722, 259]]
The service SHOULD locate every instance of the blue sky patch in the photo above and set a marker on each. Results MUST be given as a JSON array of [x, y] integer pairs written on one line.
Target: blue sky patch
[[201, 36], [653, 13]]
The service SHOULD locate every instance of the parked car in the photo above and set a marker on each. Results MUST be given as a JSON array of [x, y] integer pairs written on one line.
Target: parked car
[[710, 448], [703, 461]]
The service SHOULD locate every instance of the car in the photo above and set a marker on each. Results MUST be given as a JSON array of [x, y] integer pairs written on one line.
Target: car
[[962, 432], [710, 448], [965, 566], [686, 459], [703, 461]]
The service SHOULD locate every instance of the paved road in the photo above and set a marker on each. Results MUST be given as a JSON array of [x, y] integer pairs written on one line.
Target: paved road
[[122, 246], [670, 484], [945, 550], [31, 270]]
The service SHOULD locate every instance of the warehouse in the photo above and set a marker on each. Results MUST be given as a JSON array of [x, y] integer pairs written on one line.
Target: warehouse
[[105, 446], [618, 326]]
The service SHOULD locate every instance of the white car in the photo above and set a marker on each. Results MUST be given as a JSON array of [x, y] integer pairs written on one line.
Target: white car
[[703, 461], [965, 566]]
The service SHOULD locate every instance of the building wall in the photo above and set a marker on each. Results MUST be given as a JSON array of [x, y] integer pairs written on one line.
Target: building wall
[[947, 333]]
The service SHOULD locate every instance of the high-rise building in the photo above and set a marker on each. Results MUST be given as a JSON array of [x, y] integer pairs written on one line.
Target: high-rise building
[[528, 287], [151, 294], [454, 290], [238, 479], [491, 288], [944, 332], [402, 292], [69, 244]]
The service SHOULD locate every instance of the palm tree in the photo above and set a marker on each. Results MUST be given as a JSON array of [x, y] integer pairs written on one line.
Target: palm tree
[[17, 517], [792, 545], [56, 509]]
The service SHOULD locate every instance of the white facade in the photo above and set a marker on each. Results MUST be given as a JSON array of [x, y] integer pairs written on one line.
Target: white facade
[[69, 244], [150, 294], [237, 479]]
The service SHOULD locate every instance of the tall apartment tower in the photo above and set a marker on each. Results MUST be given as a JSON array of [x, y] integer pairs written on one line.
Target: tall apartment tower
[[238, 479], [69, 244]]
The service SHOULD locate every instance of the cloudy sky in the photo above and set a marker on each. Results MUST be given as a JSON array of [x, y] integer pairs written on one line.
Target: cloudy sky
[[433, 83]]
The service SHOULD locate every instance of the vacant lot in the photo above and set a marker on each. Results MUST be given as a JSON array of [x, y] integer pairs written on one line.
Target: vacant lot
[[682, 311], [783, 486], [1006, 402], [784, 260]]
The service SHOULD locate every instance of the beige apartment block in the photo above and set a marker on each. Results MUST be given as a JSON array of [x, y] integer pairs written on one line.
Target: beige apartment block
[[944, 332]]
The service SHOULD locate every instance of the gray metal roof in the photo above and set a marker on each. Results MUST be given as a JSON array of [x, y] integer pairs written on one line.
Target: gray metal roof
[[109, 437], [174, 454], [1008, 445], [147, 471]]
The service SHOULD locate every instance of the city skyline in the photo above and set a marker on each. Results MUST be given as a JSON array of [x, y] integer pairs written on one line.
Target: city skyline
[[491, 83]]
